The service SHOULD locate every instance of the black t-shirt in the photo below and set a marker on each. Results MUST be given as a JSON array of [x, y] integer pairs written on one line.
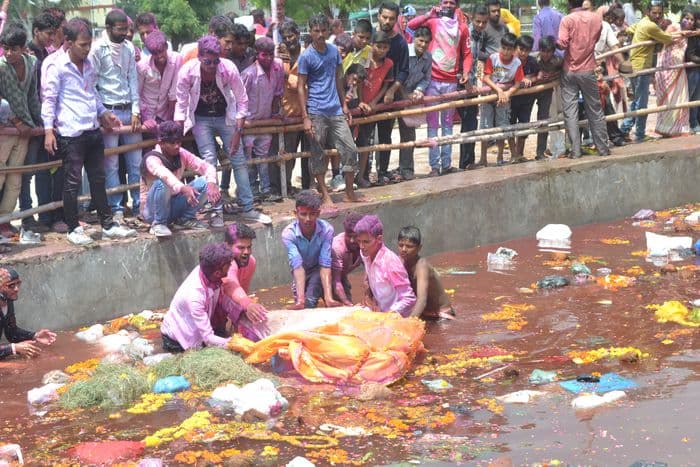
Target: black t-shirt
[[211, 101]]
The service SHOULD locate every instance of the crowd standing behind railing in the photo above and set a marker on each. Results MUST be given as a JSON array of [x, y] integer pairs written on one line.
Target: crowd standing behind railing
[[76, 100]]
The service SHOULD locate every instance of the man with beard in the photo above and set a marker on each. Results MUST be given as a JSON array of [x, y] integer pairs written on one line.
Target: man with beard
[[239, 237], [345, 255], [289, 51], [157, 73], [199, 302], [22, 342], [114, 61], [495, 29], [387, 16], [450, 47]]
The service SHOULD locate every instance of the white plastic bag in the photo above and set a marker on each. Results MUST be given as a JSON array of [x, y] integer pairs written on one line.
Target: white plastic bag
[[156, 358], [591, 401], [43, 394], [91, 334], [260, 395], [115, 342], [661, 245], [556, 236], [519, 397]]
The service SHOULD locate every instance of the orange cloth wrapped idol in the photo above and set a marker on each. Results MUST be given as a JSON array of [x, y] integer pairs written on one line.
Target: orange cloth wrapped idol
[[362, 346]]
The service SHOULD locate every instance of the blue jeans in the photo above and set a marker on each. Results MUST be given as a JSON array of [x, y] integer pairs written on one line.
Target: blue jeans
[[42, 188], [440, 156], [693, 95], [133, 164], [162, 207], [640, 88], [205, 131]]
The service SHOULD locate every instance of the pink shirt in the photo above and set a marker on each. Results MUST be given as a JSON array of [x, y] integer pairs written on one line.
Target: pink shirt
[[579, 32], [389, 282], [263, 88], [189, 81], [188, 320], [156, 170], [156, 90], [237, 282], [342, 258]]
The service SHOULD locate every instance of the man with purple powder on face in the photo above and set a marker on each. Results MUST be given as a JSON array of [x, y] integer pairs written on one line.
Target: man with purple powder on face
[[388, 286]]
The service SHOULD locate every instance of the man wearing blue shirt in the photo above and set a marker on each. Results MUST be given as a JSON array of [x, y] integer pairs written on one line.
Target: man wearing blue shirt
[[323, 109], [114, 61], [309, 242]]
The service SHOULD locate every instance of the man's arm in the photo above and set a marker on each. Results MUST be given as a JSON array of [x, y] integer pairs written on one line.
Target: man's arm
[[302, 96], [50, 85], [405, 297], [134, 88], [182, 94], [300, 284], [536, 32], [197, 310], [340, 90], [467, 59], [325, 261], [564, 34]]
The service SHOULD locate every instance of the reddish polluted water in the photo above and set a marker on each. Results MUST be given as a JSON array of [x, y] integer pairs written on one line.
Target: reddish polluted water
[[505, 328]]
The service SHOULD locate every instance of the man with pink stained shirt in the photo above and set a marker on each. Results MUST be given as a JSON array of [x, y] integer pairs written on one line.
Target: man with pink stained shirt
[[239, 237], [264, 84], [388, 286], [165, 199], [157, 77], [188, 322], [345, 258]]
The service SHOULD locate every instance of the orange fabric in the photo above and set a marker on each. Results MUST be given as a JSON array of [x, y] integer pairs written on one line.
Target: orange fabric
[[362, 347]]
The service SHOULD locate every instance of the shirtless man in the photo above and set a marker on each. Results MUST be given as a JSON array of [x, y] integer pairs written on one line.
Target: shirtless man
[[431, 300]]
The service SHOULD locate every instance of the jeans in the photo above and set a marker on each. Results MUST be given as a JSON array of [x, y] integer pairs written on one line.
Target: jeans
[[384, 128], [84, 150], [544, 102], [162, 207], [406, 164], [440, 156], [291, 143], [42, 185], [693, 95], [640, 88], [469, 123], [205, 131], [133, 164]]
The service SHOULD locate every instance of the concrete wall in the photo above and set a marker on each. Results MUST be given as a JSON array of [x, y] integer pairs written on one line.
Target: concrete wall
[[456, 212]]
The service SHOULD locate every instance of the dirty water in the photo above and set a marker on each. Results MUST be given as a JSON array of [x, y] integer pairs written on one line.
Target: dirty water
[[525, 329]]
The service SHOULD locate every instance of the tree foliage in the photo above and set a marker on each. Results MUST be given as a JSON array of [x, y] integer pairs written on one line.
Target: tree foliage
[[301, 10], [25, 10], [181, 20]]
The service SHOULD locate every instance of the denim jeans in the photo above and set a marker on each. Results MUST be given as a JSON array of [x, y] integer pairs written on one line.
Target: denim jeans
[[469, 123], [162, 207], [440, 156], [693, 95], [133, 163], [205, 131], [35, 154], [85, 150], [640, 87]]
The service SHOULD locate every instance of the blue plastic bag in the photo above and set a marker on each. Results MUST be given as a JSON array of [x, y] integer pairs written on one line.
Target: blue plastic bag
[[171, 384], [608, 382]]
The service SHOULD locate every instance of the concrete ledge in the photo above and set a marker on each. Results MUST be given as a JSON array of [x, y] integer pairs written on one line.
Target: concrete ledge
[[64, 286]]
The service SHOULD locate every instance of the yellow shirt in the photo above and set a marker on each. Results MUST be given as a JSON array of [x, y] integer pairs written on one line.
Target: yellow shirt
[[644, 30], [511, 22], [361, 57]]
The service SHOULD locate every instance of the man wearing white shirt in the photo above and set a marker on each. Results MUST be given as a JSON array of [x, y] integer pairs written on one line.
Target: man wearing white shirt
[[72, 112]]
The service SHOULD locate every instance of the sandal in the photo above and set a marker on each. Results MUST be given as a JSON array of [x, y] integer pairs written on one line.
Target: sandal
[[231, 208], [397, 178]]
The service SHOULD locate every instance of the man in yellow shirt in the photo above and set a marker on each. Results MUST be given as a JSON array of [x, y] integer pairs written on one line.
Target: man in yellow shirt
[[642, 58]]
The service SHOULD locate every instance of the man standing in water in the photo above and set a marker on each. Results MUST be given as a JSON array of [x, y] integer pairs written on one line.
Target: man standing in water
[[22, 342]]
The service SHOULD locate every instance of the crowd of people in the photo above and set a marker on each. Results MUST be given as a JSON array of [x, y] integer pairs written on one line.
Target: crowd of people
[[215, 298], [91, 94]]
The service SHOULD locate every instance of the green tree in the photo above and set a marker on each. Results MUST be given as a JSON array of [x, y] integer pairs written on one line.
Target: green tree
[[181, 20], [26, 10], [301, 10]]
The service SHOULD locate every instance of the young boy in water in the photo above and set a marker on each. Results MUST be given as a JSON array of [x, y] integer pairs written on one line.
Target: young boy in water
[[431, 300], [388, 287]]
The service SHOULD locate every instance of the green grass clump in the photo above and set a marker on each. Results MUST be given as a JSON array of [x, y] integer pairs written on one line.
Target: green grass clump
[[112, 385], [208, 368]]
